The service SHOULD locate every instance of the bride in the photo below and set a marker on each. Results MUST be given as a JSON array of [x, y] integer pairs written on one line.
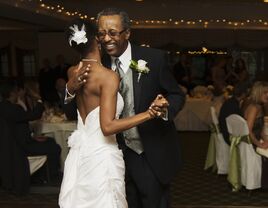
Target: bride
[[94, 168]]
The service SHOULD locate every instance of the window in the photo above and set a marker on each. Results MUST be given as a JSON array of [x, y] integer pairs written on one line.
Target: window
[[29, 65], [26, 62]]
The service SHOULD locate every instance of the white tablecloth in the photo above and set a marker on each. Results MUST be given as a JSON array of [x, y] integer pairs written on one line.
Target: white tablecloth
[[60, 131], [195, 115], [265, 128]]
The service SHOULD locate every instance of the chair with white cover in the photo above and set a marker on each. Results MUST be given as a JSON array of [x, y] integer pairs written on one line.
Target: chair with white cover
[[217, 147], [36, 162], [245, 163], [222, 149]]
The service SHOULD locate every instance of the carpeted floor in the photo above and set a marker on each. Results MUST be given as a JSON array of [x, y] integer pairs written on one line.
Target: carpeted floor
[[192, 188]]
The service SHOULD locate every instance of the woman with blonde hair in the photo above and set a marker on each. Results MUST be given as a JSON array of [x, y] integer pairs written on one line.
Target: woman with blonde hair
[[254, 115]]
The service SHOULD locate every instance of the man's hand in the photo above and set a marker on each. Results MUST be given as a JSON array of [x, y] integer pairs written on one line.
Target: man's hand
[[78, 78], [160, 105]]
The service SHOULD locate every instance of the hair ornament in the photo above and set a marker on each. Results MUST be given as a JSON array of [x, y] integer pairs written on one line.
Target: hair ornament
[[78, 36]]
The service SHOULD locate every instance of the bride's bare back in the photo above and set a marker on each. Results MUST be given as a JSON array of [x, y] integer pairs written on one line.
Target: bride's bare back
[[100, 90], [89, 96]]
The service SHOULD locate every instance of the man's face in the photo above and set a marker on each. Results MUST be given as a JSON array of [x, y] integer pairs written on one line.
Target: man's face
[[112, 35]]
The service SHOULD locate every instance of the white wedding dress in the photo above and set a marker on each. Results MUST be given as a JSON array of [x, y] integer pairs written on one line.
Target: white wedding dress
[[94, 169]]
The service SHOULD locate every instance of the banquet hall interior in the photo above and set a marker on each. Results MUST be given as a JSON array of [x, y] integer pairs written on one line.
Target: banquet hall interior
[[201, 38]]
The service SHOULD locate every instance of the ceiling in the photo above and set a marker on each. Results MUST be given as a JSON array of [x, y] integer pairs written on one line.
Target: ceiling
[[229, 14]]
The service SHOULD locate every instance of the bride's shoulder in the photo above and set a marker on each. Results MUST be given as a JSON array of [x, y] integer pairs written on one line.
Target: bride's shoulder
[[108, 73], [109, 77]]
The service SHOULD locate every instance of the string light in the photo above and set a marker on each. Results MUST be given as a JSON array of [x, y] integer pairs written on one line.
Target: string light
[[61, 10], [203, 50]]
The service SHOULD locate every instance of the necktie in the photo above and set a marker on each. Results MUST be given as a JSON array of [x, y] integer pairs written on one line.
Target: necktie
[[131, 136], [121, 74]]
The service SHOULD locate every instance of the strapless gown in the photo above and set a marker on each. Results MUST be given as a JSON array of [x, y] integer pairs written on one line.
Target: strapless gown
[[94, 169]]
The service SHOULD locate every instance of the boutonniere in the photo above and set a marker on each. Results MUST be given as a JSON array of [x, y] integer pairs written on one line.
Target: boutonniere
[[140, 67]]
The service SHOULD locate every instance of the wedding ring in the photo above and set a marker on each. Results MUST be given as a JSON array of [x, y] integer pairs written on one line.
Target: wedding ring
[[79, 79]]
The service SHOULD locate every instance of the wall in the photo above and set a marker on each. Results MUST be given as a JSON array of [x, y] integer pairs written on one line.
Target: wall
[[51, 44], [18, 39]]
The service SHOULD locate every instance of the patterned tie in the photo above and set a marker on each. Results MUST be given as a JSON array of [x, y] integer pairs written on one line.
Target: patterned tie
[[120, 72], [131, 136], [118, 68]]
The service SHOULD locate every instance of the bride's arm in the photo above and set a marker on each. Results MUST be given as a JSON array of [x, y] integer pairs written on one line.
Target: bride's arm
[[108, 99]]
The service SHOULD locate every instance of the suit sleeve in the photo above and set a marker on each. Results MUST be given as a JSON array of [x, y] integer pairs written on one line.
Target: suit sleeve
[[173, 93], [20, 115], [70, 110]]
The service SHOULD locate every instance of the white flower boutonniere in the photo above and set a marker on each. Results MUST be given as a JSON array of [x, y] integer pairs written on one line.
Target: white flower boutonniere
[[140, 67]]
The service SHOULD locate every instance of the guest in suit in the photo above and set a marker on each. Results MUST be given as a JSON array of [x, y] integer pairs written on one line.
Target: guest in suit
[[46, 80], [60, 70], [18, 119], [153, 157], [57, 95], [232, 106]]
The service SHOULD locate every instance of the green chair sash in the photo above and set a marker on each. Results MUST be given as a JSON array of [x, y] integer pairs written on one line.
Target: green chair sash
[[211, 154], [234, 173]]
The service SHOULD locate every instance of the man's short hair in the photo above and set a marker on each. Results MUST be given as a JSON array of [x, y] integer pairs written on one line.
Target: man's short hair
[[115, 11], [241, 88]]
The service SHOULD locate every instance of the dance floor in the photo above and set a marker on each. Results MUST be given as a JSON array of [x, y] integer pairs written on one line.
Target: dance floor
[[192, 188]]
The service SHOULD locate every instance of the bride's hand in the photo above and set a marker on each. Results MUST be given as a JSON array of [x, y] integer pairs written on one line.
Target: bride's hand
[[158, 107], [152, 113], [78, 78]]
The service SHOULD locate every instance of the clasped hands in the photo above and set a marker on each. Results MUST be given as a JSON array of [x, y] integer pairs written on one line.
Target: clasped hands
[[158, 108]]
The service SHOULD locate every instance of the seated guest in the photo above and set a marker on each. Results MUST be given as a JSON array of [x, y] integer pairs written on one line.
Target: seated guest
[[232, 106], [182, 71], [18, 119], [26, 90], [254, 116], [59, 93], [46, 80]]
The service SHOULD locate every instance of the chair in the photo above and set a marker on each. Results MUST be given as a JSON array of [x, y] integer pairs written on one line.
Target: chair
[[249, 175], [36, 162], [222, 149]]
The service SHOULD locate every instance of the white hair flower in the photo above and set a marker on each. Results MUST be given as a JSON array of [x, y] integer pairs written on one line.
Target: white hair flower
[[78, 36]]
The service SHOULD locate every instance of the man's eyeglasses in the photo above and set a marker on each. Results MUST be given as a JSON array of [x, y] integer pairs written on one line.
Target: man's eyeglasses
[[111, 33]]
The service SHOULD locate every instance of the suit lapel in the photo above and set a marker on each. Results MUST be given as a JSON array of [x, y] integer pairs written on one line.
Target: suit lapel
[[137, 85]]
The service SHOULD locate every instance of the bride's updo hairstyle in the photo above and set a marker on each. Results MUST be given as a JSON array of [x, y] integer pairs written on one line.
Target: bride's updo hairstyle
[[81, 35]]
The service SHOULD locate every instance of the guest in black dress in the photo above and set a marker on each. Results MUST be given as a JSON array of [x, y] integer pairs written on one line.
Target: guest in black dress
[[232, 106]]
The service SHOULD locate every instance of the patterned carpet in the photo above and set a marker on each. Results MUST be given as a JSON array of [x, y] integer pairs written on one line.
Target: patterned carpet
[[192, 188]]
